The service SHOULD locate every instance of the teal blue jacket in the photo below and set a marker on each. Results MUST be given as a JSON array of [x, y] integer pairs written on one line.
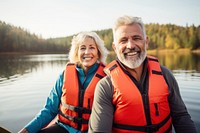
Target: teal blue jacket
[[51, 107]]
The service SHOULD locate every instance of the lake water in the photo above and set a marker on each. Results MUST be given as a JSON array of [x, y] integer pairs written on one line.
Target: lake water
[[26, 80]]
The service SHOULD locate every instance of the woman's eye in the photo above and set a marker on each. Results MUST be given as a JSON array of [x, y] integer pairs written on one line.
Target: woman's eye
[[82, 48], [92, 48]]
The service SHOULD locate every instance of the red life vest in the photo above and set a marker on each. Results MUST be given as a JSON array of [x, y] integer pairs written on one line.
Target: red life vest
[[136, 112], [76, 102]]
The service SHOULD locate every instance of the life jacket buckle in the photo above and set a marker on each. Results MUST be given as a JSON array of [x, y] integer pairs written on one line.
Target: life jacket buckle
[[79, 109], [152, 128], [77, 119], [82, 110], [80, 120]]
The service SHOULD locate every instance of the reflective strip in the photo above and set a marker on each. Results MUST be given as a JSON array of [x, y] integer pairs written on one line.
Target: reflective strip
[[76, 109], [74, 119]]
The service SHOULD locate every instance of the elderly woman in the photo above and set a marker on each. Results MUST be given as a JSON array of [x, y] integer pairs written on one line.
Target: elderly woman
[[72, 96]]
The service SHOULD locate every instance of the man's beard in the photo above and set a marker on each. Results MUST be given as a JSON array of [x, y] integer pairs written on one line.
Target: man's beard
[[132, 62]]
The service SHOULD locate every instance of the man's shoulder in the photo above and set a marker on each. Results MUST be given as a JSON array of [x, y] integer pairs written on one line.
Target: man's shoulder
[[105, 80], [165, 70], [168, 75]]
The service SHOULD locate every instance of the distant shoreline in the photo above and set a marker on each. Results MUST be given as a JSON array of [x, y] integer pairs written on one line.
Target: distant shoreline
[[153, 51], [26, 53], [172, 51]]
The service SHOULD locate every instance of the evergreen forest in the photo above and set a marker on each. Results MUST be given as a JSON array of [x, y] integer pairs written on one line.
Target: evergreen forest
[[162, 36]]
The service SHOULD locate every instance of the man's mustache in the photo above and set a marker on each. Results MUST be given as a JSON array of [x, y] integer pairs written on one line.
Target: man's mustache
[[129, 50]]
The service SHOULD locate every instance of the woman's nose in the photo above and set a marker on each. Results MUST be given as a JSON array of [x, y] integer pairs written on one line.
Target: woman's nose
[[87, 50]]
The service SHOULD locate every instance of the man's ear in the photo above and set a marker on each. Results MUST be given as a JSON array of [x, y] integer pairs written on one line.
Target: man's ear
[[147, 42]]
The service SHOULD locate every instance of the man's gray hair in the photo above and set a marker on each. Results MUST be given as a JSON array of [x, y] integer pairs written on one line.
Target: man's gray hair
[[128, 20]]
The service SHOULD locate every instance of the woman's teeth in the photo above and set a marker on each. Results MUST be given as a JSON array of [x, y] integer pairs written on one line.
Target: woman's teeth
[[87, 58]]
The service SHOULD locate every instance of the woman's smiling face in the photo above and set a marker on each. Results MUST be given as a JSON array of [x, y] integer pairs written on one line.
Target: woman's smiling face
[[88, 53]]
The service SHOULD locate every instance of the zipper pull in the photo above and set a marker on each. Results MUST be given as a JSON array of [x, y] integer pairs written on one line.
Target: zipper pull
[[156, 107]]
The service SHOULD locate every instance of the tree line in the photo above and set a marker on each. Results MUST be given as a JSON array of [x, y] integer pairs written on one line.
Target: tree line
[[17, 39], [161, 36]]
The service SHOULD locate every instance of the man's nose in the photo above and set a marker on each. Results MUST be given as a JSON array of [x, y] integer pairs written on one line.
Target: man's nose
[[130, 44]]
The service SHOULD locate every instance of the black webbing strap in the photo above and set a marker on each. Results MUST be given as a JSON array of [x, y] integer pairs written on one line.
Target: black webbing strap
[[157, 72], [169, 129], [152, 59], [76, 108], [74, 119], [148, 128], [99, 76], [113, 67], [102, 64]]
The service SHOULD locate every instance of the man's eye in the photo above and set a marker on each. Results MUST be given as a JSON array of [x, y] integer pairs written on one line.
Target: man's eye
[[123, 41], [137, 38]]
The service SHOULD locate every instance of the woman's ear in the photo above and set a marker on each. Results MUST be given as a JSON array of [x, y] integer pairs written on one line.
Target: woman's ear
[[113, 46]]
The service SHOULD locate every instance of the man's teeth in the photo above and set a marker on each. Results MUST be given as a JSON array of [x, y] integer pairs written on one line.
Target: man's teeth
[[132, 53]]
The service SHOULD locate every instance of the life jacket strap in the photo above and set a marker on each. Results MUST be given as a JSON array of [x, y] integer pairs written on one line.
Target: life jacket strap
[[152, 59], [156, 72], [148, 128], [74, 119], [76, 108], [99, 76]]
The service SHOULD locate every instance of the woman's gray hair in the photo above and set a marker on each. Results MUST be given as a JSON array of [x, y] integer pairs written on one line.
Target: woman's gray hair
[[128, 20], [79, 39]]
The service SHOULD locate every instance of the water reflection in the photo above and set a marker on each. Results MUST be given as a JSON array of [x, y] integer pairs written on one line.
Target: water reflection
[[14, 66], [34, 76], [174, 61]]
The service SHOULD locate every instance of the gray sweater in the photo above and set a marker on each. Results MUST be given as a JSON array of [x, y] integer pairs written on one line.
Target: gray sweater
[[101, 119]]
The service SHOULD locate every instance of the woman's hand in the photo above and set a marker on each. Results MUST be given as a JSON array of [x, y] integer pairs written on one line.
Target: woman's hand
[[23, 131]]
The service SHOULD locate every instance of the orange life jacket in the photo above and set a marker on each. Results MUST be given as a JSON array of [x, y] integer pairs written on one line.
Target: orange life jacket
[[136, 112], [76, 102]]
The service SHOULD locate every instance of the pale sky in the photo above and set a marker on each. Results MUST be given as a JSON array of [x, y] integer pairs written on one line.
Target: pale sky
[[60, 18]]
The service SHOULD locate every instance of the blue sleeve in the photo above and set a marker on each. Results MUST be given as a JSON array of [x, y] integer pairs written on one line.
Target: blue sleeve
[[50, 110]]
